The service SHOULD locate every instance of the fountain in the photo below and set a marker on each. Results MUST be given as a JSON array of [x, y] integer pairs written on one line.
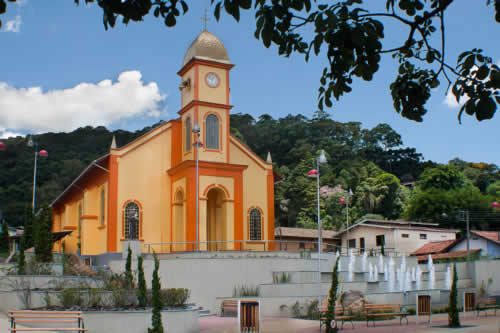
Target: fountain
[[403, 263], [432, 272], [363, 261], [381, 263], [352, 261], [375, 273], [418, 277], [370, 273], [386, 273], [391, 279], [447, 278], [407, 280], [413, 274]]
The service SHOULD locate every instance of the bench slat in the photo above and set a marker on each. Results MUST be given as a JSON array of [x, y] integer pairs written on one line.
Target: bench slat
[[48, 329], [46, 312]]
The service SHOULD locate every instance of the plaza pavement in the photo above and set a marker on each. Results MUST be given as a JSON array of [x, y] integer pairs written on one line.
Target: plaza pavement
[[490, 324]]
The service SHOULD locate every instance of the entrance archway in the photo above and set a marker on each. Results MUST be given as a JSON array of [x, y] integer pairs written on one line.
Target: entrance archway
[[216, 220]]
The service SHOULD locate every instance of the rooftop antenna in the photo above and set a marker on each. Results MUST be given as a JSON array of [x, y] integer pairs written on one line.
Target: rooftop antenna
[[205, 19]]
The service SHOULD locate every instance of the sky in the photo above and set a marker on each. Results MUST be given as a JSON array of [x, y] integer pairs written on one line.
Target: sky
[[60, 70]]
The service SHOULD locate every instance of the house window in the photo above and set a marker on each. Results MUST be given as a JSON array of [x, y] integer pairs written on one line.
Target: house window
[[188, 134], [132, 221], [351, 244], [362, 245], [380, 240], [255, 224], [423, 236], [405, 236], [212, 132], [103, 205], [301, 245]]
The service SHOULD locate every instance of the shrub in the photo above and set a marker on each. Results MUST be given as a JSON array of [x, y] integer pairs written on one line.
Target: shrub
[[453, 318], [281, 277], [245, 291], [70, 297], [128, 270], [43, 235], [156, 299], [174, 296], [141, 291], [332, 298], [21, 259]]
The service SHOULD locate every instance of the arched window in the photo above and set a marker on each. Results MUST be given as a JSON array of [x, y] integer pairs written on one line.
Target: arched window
[[132, 221], [212, 132], [255, 224], [103, 205], [188, 134]]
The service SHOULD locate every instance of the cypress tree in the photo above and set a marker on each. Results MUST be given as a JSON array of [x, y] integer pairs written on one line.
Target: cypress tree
[[332, 299], [4, 238], [141, 291], [21, 259], [43, 235], [28, 227], [382, 249], [129, 278], [157, 303], [453, 317]]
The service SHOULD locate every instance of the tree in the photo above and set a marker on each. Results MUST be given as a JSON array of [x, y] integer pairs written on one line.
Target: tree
[[43, 235], [156, 299], [28, 227], [4, 238], [332, 299], [350, 36], [453, 317], [128, 269], [21, 259], [444, 177], [141, 291]]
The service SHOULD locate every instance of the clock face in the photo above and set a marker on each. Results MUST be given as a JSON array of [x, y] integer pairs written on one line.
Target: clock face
[[212, 80]]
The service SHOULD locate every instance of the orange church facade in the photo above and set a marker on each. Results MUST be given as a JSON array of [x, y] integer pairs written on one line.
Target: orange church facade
[[146, 190]]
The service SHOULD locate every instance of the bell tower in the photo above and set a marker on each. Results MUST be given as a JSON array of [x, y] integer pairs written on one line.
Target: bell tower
[[205, 98]]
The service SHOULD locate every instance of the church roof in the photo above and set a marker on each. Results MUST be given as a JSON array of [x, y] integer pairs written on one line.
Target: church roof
[[207, 47]]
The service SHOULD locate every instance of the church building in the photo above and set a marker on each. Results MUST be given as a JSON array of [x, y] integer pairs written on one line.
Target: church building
[[152, 190]]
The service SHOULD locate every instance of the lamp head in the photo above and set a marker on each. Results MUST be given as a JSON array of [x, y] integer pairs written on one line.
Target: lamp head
[[342, 201], [43, 153], [3, 147], [495, 205], [196, 128], [322, 157]]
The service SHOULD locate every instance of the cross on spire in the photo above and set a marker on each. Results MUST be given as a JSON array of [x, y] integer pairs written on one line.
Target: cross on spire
[[205, 20]]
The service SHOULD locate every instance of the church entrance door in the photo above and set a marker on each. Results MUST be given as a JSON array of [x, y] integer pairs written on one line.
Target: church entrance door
[[216, 220]]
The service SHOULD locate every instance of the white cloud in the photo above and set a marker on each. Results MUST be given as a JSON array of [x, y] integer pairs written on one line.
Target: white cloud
[[34, 110], [451, 101], [5, 134], [13, 25]]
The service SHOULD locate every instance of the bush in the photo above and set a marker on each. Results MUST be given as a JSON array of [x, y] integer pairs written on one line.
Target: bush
[[70, 297], [174, 296], [245, 291]]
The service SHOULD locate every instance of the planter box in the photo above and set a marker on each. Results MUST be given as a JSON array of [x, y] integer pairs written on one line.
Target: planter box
[[178, 321]]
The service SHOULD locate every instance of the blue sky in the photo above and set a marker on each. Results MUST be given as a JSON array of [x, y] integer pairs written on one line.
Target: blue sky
[[59, 70]]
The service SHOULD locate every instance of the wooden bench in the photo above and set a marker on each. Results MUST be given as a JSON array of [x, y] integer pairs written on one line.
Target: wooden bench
[[340, 315], [374, 311], [42, 318], [229, 306], [485, 305]]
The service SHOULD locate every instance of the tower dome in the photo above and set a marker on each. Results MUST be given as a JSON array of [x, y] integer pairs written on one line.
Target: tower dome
[[207, 47]]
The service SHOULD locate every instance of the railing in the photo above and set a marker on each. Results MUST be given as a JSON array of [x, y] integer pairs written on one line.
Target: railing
[[261, 245]]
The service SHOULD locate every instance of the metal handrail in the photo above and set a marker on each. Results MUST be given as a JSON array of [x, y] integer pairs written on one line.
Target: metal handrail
[[283, 246]]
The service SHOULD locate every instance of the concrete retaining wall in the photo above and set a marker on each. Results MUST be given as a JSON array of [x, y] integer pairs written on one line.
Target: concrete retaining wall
[[47, 281]]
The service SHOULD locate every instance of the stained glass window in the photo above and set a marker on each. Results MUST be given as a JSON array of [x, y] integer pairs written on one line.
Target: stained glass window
[[212, 132], [255, 225], [132, 221]]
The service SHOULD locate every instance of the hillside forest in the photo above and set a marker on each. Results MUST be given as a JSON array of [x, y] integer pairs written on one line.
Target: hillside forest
[[386, 179]]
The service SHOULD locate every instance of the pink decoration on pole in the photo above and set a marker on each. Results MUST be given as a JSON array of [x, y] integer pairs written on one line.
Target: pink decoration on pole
[[342, 201], [43, 153], [2, 146], [312, 173], [495, 205]]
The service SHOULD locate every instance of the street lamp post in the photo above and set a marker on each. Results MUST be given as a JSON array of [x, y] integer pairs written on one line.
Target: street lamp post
[[315, 173], [197, 144], [41, 153]]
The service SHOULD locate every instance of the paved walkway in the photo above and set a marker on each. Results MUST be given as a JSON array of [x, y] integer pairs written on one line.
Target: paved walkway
[[490, 324]]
